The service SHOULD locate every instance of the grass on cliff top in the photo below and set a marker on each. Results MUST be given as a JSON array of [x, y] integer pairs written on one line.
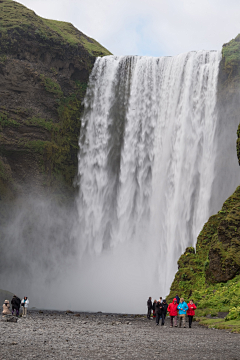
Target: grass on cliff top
[[15, 17], [231, 54]]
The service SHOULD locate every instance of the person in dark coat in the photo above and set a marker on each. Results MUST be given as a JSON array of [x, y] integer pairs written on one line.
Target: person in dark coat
[[164, 313], [149, 306], [159, 311], [154, 309], [16, 302], [178, 299]]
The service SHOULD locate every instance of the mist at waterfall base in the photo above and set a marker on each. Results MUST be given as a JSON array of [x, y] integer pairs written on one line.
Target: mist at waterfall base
[[149, 154], [40, 258]]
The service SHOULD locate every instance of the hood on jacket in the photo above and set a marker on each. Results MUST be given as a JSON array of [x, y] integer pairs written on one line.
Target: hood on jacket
[[174, 300]]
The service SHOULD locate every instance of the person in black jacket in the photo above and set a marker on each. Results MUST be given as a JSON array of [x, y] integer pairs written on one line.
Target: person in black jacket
[[154, 309], [178, 299], [16, 302], [149, 306], [159, 311], [164, 313]]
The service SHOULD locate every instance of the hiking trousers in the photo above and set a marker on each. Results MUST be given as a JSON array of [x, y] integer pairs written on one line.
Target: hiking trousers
[[173, 319], [149, 313], [182, 320], [17, 311], [158, 317], [190, 319]]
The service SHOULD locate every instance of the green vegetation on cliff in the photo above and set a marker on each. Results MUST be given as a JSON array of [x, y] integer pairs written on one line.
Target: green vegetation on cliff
[[16, 18], [229, 75], [44, 71], [231, 56], [211, 274], [217, 256]]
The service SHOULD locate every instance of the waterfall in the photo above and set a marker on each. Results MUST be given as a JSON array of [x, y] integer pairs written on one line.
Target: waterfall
[[146, 167]]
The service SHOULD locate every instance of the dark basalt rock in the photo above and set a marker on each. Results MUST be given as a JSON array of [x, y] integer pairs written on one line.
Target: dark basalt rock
[[9, 318]]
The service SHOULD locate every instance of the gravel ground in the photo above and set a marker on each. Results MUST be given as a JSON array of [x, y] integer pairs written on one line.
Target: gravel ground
[[61, 335]]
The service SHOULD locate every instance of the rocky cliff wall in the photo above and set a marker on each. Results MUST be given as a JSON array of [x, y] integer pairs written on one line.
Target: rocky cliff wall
[[44, 70]]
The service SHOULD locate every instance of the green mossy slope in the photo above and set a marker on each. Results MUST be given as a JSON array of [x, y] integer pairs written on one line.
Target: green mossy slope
[[16, 19], [231, 56], [44, 71], [199, 269]]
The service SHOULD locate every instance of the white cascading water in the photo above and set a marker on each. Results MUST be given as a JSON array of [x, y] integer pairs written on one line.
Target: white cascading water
[[146, 168]]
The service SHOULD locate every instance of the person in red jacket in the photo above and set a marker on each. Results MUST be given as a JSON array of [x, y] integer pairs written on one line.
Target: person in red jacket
[[191, 312], [172, 309]]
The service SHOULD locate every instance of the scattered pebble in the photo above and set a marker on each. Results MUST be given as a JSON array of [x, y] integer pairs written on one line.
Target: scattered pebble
[[63, 335]]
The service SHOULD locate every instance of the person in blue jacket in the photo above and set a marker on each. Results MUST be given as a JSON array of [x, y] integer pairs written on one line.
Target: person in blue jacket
[[182, 307]]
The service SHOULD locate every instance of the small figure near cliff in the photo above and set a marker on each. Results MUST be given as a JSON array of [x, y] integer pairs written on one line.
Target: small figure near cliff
[[24, 303], [6, 308], [182, 307], [172, 309], [16, 302], [159, 311], [164, 314], [191, 312], [178, 298], [149, 306], [154, 309]]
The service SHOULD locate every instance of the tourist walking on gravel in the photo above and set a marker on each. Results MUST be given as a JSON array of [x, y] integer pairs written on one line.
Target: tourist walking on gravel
[[159, 311], [6, 308], [16, 302], [191, 312], [154, 309], [164, 313], [24, 303], [182, 307], [172, 309], [149, 306]]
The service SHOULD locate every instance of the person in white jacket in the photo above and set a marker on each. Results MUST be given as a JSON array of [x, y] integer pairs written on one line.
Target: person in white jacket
[[24, 304]]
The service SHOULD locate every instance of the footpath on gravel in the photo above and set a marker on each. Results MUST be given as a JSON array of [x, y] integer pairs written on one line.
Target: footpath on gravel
[[61, 335]]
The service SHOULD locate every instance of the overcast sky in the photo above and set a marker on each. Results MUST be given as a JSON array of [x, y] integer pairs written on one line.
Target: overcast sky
[[148, 27]]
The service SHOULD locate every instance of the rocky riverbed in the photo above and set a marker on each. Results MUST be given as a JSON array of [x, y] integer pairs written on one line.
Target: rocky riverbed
[[67, 335]]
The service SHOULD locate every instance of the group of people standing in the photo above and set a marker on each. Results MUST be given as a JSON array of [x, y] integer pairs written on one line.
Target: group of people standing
[[177, 308], [16, 303]]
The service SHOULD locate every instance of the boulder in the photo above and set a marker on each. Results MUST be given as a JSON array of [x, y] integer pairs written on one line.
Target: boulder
[[9, 318]]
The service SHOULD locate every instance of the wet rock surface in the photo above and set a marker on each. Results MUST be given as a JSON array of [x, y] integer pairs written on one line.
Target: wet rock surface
[[68, 335]]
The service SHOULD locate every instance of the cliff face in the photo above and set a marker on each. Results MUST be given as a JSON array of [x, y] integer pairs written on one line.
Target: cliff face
[[217, 256], [44, 70]]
